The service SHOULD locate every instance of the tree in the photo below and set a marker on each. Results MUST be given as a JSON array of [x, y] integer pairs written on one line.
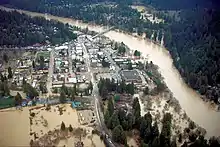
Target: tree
[[156, 142], [130, 121], [106, 116], [137, 53], [155, 130], [104, 63], [23, 82], [184, 144], [42, 62], [213, 142], [143, 127], [136, 112], [114, 120], [90, 86], [29, 90], [118, 135], [146, 90], [180, 138], [110, 107], [130, 66], [33, 64], [62, 97], [63, 127], [104, 91], [148, 117], [173, 143], [5, 89], [130, 88], [121, 115], [10, 74], [121, 49], [5, 58], [42, 87], [18, 99], [70, 128], [191, 125], [192, 137], [144, 144], [166, 129], [2, 77], [72, 93]]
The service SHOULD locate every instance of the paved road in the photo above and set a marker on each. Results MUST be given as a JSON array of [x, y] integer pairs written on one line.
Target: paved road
[[95, 94], [50, 73], [117, 68]]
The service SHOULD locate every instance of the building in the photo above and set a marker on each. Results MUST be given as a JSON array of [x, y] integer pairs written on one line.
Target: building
[[131, 76]]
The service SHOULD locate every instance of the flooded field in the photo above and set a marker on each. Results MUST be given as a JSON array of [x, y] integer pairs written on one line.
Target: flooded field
[[43, 126], [14, 127]]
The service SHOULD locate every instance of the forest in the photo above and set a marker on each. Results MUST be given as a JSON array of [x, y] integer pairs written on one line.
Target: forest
[[19, 30], [193, 40], [121, 123], [194, 45]]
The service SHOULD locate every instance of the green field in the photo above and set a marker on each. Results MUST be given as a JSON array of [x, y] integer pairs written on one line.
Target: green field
[[45, 54], [6, 103]]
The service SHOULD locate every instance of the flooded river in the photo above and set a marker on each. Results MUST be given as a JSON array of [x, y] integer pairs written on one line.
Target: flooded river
[[189, 100]]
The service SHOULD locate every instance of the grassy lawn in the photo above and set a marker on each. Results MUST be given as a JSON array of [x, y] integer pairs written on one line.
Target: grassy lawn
[[6, 103], [44, 54]]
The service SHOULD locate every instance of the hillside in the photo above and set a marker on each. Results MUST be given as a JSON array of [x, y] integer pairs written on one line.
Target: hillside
[[19, 30], [194, 44]]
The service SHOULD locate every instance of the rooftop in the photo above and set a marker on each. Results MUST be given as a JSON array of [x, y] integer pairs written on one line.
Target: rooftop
[[131, 75]]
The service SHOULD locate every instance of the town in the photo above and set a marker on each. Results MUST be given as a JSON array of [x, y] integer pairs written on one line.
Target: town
[[72, 87]]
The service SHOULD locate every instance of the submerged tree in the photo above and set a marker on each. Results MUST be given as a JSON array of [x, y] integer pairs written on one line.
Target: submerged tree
[[62, 127]]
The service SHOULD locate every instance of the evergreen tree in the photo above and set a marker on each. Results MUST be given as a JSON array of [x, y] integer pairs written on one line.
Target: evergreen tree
[[118, 135], [10, 74], [173, 143], [146, 90], [2, 77], [5, 58], [18, 99], [156, 142], [110, 107], [155, 130], [106, 116], [63, 127], [137, 53], [136, 112], [166, 129], [33, 64], [114, 120], [42, 63], [143, 127], [62, 97], [70, 128]]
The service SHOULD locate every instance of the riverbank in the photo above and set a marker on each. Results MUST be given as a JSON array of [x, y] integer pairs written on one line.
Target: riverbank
[[188, 98]]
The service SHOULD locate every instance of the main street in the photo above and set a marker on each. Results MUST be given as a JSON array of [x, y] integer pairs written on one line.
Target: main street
[[95, 94], [50, 73]]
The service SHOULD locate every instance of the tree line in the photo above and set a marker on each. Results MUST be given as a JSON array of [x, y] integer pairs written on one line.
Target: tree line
[[19, 30], [194, 45], [106, 86]]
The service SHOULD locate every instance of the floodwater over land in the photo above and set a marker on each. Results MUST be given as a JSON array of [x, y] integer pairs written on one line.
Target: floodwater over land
[[190, 101], [16, 129]]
